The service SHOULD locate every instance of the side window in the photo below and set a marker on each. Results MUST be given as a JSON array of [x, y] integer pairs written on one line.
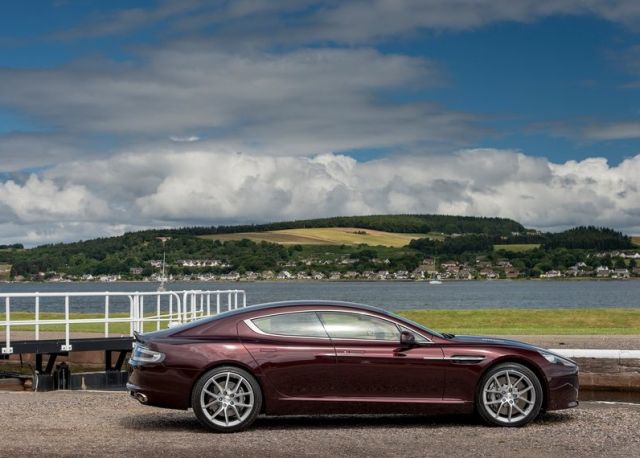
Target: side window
[[303, 324], [419, 338], [344, 325]]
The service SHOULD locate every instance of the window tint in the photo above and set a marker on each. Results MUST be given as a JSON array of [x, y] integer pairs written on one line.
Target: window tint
[[419, 338], [304, 324], [341, 325]]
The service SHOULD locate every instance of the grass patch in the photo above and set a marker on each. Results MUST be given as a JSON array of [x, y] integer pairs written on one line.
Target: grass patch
[[517, 247], [530, 321], [635, 239], [326, 236], [114, 328], [484, 321], [5, 271]]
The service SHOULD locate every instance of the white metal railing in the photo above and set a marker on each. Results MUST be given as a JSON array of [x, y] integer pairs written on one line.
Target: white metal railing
[[157, 307]]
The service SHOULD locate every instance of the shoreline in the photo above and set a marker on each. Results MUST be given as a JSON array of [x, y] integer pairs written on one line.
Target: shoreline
[[293, 280]]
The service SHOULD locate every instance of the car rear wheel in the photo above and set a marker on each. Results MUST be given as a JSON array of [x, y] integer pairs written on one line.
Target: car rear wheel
[[226, 399], [510, 394]]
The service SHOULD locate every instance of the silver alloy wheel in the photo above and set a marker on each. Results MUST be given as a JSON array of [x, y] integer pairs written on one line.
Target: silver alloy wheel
[[509, 396], [227, 399]]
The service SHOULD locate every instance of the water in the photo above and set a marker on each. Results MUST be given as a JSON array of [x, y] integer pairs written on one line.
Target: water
[[388, 295]]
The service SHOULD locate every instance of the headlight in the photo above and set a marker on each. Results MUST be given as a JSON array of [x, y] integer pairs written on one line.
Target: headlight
[[143, 355], [557, 359]]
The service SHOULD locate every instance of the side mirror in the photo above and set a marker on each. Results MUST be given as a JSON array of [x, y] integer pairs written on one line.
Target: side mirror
[[407, 339]]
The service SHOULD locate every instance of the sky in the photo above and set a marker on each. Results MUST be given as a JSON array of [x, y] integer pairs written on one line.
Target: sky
[[123, 115]]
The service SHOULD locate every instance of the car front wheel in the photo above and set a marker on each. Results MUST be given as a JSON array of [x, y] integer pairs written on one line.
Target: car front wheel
[[509, 394], [226, 399]]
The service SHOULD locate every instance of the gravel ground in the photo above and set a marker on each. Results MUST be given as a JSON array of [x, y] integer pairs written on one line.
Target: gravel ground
[[100, 423]]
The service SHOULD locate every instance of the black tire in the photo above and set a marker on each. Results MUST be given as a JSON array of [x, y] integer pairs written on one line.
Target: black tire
[[235, 376], [525, 397]]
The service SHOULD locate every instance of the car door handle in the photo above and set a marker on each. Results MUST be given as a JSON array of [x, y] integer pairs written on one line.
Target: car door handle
[[268, 350]]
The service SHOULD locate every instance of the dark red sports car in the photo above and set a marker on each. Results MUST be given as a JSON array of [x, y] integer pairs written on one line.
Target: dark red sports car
[[313, 357]]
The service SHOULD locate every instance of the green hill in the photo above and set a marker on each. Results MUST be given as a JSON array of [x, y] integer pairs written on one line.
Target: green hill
[[404, 224], [360, 243]]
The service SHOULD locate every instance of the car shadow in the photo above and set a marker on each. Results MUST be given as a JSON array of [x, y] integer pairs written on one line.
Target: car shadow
[[188, 422]]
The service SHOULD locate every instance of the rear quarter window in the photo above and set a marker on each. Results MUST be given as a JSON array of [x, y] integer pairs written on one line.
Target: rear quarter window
[[302, 324]]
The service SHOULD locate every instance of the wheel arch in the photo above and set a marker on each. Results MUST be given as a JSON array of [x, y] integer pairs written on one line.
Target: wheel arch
[[533, 367], [230, 363]]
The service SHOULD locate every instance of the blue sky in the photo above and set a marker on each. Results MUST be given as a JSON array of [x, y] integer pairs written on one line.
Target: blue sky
[[535, 86], [377, 81]]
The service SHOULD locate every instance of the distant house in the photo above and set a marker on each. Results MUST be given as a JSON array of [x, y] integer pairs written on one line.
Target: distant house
[[580, 269], [200, 263], [512, 273], [417, 274], [488, 273], [551, 274], [231, 276], [267, 275], [284, 275], [603, 272], [136, 270], [621, 273], [465, 274]]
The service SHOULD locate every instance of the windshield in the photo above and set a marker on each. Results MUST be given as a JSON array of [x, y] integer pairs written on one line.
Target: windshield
[[417, 325]]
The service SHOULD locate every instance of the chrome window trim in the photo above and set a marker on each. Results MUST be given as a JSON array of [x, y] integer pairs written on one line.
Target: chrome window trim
[[255, 328]]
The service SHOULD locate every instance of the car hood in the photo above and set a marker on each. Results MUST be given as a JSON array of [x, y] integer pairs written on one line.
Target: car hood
[[484, 340]]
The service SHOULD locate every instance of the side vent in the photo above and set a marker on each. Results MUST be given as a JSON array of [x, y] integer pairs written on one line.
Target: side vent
[[466, 359]]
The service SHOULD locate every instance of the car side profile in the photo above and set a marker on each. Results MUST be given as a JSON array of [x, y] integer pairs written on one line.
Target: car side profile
[[319, 357]]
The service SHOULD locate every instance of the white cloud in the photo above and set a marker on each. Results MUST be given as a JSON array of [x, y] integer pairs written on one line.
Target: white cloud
[[305, 101], [613, 131], [188, 139], [161, 189], [355, 21], [42, 201]]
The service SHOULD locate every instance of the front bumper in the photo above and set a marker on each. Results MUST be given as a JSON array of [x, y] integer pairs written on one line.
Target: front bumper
[[563, 391]]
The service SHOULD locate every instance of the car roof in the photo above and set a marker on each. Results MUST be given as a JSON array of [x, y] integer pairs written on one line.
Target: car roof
[[266, 306], [301, 303]]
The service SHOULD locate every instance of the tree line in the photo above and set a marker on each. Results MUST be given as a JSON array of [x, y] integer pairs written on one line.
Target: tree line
[[418, 224]]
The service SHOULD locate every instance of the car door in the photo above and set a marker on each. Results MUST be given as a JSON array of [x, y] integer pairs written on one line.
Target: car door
[[293, 351], [372, 364]]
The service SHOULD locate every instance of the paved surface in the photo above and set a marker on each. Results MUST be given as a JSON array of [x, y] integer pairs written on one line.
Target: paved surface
[[98, 424]]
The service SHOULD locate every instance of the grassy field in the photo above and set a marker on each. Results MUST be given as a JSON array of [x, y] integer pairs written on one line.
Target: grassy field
[[5, 271], [517, 248], [485, 321], [114, 328], [326, 236], [528, 321], [635, 239]]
